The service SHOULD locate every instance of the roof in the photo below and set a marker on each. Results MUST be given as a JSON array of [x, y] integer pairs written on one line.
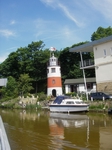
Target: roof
[[88, 47], [79, 81]]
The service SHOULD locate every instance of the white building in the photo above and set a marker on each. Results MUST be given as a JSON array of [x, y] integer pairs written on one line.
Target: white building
[[3, 82], [102, 49], [77, 85]]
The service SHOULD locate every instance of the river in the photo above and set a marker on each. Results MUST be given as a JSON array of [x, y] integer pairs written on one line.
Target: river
[[42, 130]]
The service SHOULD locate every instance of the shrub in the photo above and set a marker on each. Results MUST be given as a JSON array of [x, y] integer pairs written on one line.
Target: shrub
[[33, 106], [42, 96], [71, 94]]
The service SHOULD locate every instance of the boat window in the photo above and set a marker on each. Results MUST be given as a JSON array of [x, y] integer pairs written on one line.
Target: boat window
[[78, 102], [70, 102]]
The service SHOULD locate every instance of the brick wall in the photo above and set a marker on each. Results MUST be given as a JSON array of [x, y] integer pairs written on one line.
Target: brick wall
[[105, 87]]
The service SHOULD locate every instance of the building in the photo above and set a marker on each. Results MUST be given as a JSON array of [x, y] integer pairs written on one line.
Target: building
[[54, 84], [3, 82], [102, 63], [77, 85]]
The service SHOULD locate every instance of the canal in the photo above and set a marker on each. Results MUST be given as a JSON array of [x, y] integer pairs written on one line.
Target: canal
[[42, 130]]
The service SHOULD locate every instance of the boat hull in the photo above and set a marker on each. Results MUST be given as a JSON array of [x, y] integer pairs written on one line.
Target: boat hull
[[69, 108]]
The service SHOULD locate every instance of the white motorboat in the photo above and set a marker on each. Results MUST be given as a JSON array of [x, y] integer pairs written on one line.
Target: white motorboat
[[67, 104]]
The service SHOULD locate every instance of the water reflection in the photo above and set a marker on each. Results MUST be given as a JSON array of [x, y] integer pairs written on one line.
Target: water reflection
[[60, 122], [42, 130]]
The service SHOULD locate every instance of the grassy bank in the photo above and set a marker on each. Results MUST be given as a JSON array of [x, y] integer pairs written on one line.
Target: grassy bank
[[100, 106]]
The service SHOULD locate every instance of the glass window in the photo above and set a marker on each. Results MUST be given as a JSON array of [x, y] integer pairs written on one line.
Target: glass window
[[47, 70], [104, 52], [52, 70], [70, 102], [53, 81], [111, 51], [88, 85]]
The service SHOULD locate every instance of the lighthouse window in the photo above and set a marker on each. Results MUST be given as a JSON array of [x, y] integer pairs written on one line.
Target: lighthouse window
[[53, 81], [47, 70], [52, 70]]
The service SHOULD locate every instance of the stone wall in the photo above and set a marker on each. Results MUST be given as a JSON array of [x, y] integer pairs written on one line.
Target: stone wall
[[105, 87]]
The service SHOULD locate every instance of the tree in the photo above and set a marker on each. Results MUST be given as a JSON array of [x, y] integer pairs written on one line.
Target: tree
[[11, 88], [101, 32], [30, 60], [69, 64], [24, 84]]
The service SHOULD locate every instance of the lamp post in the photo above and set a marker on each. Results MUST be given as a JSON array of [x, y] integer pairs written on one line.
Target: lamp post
[[84, 75]]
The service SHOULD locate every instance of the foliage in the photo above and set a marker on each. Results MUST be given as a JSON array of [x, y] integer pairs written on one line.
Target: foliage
[[72, 94], [10, 103], [24, 84], [32, 60], [98, 106], [42, 96], [33, 106], [70, 66], [10, 90], [101, 32]]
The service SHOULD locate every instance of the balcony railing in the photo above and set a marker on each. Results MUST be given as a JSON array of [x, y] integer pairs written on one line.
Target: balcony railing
[[87, 63]]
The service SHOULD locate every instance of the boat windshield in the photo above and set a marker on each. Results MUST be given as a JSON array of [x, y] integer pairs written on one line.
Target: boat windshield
[[59, 99]]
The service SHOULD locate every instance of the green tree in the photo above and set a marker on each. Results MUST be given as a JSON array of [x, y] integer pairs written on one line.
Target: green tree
[[10, 91], [70, 63], [24, 84], [101, 32]]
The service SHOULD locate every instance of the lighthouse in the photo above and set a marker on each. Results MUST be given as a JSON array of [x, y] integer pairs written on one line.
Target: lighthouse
[[54, 84]]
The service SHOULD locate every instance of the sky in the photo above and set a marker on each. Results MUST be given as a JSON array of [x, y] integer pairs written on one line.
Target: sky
[[58, 23]]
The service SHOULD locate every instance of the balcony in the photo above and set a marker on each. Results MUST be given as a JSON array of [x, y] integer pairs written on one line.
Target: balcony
[[87, 64]]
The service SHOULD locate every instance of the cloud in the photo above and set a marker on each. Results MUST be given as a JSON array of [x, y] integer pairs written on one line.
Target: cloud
[[103, 6], [7, 52], [12, 22], [12, 48], [7, 33], [69, 15], [66, 10], [2, 58]]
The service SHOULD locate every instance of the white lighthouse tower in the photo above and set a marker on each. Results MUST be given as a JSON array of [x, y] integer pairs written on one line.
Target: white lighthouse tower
[[54, 84]]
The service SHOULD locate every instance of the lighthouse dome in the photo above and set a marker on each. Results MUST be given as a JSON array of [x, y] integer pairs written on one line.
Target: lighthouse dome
[[53, 61]]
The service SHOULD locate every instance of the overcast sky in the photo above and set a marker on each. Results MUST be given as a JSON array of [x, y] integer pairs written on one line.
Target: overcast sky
[[58, 23]]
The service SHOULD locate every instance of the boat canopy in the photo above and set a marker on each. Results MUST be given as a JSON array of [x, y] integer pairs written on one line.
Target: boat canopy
[[59, 99]]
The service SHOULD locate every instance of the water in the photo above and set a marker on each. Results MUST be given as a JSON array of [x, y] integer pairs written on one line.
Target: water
[[42, 130]]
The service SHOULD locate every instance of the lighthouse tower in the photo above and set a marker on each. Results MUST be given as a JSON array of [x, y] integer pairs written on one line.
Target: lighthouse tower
[[54, 85]]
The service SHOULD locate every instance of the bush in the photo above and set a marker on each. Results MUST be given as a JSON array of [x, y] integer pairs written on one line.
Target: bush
[[96, 106], [42, 96], [71, 94], [33, 106]]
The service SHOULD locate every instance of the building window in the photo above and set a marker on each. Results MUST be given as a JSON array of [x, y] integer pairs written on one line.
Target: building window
[[104, 51], [52, 70], [111, 51], [47, 70], [89, 86]]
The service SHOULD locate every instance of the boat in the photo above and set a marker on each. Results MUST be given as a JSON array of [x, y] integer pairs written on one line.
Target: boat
[[4, 142], [68, 104]]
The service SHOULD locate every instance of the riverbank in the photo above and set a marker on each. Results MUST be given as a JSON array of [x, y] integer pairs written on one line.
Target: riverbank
[[33, 103]]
